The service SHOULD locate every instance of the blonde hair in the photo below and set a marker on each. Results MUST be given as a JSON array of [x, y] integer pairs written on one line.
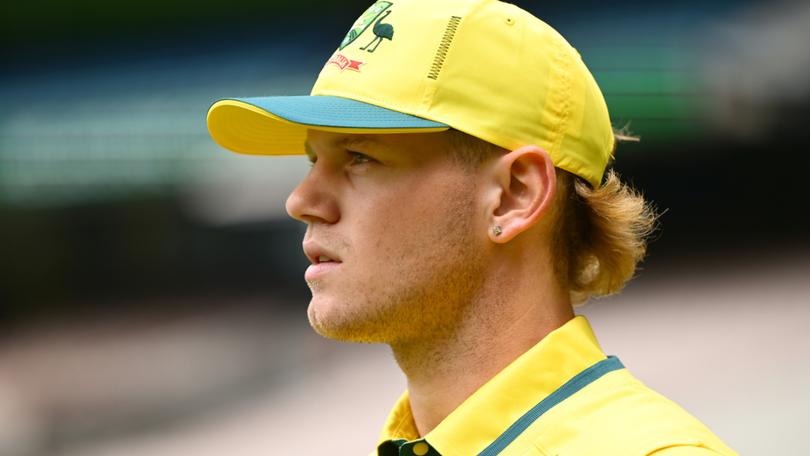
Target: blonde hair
[[599, 235]]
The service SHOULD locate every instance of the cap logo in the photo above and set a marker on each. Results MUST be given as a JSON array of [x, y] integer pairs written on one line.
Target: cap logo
[[382, 31], [343, 62]]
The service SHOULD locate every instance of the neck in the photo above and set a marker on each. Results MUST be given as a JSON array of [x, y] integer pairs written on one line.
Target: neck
[[504, 321]]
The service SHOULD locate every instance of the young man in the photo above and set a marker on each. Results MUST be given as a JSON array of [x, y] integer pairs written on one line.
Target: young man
[[457, 207]]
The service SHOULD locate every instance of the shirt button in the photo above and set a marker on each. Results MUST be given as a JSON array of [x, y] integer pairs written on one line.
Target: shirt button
[[420, 449]]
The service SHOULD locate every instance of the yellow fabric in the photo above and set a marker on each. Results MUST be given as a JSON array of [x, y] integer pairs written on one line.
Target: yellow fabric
[[484, 67], [245, 129], [681, 450], [614, 416]]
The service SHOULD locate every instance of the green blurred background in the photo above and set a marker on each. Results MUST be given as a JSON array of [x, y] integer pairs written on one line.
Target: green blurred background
[[109, 185], [115, 203]]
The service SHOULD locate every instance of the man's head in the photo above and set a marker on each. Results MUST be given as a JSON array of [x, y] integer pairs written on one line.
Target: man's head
[[409, 219], [401, 228]]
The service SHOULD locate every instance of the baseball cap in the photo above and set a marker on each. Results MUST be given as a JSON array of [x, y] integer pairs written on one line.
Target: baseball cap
[[484, 67]]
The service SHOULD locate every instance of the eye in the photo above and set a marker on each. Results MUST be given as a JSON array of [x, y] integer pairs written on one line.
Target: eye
[[358, 158], [311, 158]]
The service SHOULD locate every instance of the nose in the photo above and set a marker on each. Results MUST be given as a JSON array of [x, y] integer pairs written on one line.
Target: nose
[[313, 200]]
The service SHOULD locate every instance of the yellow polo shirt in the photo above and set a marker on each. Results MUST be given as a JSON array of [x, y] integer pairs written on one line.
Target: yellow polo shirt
[[563, 397]]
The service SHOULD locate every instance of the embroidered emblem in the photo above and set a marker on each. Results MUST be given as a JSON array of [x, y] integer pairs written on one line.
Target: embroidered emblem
[[343, 62], [382, 31]]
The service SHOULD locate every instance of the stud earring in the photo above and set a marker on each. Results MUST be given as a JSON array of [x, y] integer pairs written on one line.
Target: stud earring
[[497, 230]]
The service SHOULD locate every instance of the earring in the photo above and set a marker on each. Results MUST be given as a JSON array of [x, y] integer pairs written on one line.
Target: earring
[[497, 230]]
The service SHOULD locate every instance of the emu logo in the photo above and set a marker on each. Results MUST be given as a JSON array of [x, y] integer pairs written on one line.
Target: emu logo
[[377, 12]]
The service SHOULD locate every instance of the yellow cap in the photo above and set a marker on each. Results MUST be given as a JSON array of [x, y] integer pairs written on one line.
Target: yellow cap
[[484, 67]]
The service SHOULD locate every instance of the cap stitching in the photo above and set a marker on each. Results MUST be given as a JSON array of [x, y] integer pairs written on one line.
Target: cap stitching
[[444, 47], [565, 81]]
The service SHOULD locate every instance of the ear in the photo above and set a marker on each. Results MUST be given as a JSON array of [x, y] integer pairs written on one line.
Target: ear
[[526, 183]]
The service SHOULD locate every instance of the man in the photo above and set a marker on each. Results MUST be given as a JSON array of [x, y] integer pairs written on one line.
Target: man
[[457, 207]]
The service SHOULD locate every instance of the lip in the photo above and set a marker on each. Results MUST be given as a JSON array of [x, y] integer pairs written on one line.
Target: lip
[[318, 269], [313, 251]]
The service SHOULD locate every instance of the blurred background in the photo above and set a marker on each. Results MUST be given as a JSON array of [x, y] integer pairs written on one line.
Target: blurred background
[[152, 299]]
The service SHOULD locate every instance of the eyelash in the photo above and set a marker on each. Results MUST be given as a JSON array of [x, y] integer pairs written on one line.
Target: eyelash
[[359, 158]]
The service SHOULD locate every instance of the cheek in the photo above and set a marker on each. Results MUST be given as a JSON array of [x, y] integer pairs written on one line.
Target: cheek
[[399, 226], [384, 230], [393, 213]]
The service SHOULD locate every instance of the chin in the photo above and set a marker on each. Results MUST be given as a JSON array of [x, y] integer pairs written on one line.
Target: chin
[[333, 321]]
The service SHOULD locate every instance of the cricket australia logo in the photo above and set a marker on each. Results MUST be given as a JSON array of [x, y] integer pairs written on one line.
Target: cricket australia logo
[[382, 31]]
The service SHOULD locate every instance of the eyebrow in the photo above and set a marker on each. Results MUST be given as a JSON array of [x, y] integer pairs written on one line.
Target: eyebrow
[[359, 139], [346, 141]]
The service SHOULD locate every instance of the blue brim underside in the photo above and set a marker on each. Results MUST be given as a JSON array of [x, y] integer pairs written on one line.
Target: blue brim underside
[[329, 111]]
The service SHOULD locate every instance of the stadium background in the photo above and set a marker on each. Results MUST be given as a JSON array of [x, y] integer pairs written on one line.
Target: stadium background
[[151, 292]]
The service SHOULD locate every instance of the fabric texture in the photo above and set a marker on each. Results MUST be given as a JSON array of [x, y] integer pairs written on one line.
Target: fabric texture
[[484, 67], [614, 415]]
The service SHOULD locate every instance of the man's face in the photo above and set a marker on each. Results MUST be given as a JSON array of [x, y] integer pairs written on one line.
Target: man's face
[[395, 232]]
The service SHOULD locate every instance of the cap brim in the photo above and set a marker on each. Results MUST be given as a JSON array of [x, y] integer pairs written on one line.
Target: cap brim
[[278, 125]]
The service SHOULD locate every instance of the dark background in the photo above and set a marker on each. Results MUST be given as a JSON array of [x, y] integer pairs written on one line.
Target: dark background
[[151, 284], [727, 163]]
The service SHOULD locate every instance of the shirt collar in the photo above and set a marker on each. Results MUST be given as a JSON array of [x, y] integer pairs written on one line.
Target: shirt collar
[[558, 357]]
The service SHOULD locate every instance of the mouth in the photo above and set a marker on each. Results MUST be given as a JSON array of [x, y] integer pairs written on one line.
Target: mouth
[[323, 261], [319, 255]]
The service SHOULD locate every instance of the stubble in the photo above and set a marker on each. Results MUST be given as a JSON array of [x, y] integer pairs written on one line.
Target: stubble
[[436, 274]]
